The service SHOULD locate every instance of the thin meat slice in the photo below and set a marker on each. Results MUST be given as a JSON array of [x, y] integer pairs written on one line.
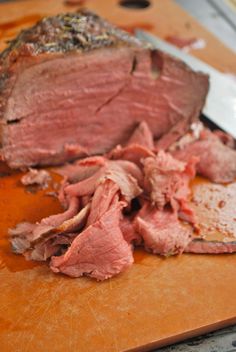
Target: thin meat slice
[[100, 251], [102, 200], [128, 167], [178, 130], [54, 245], [123, 173], [161, 231], [58, 219], [81, 169], [166, 179], [52, 241], [129, 232], [217, 161], [126, 175], [63, 198], [85, 187], [24, 235], [76, 222], [133, 152], [142, 136], [191, 136], [201, 246]]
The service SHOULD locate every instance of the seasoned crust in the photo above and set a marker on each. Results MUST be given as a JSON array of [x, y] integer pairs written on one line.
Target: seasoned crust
[[81, 31]]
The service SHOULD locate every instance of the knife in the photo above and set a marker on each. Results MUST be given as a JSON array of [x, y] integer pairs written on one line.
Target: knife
[[220, 105]]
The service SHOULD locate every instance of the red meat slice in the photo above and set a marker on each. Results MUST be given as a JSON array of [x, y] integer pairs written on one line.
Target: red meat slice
[[217, 161], [124, 173], [202, 246], [134, 153], [142, 136], [81, 169], [129, 232], [24, 235], [161, 231], [104, 196], [100, 251]]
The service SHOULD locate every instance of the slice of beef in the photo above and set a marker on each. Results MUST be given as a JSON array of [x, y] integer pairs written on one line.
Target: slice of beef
[[125, 174], [191, 136], [102, 200], [54, 245], [24, 235], [58, 219], [100, 251], [161, 231], [166, 141], [113, 182], [81, 169], [74, 85], [217, 161], [40, 242], [142, 136], [133, 152], [129, 232], [202, 246], [167, 179]]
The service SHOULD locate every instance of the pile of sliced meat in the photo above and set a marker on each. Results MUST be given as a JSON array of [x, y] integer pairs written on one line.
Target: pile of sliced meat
[[76, 86], [135, 195]]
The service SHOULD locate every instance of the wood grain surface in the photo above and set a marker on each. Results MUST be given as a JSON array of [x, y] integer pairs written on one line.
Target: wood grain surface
[[158, 301]]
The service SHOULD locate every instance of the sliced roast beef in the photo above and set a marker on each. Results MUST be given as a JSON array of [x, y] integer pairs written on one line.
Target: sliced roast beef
[[24, 235], [74, 85], [105, 194], [161, 231], [40, 241], [124, 173], [58, 219], [81, 169], [53, 245], [132, 196], [201, 246], [217, 161], [142, 136], [100, 251], [128, 230], [133, 152], [166, 179]]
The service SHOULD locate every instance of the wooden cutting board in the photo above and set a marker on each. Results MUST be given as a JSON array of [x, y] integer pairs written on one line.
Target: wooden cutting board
[[158, 301]]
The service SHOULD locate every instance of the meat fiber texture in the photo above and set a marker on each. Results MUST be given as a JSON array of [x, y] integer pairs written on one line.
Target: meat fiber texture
[[133, 196], [74, 86], [216, 153]]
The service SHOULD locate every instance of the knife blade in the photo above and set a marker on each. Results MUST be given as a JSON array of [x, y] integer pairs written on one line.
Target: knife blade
[[220, 105]]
